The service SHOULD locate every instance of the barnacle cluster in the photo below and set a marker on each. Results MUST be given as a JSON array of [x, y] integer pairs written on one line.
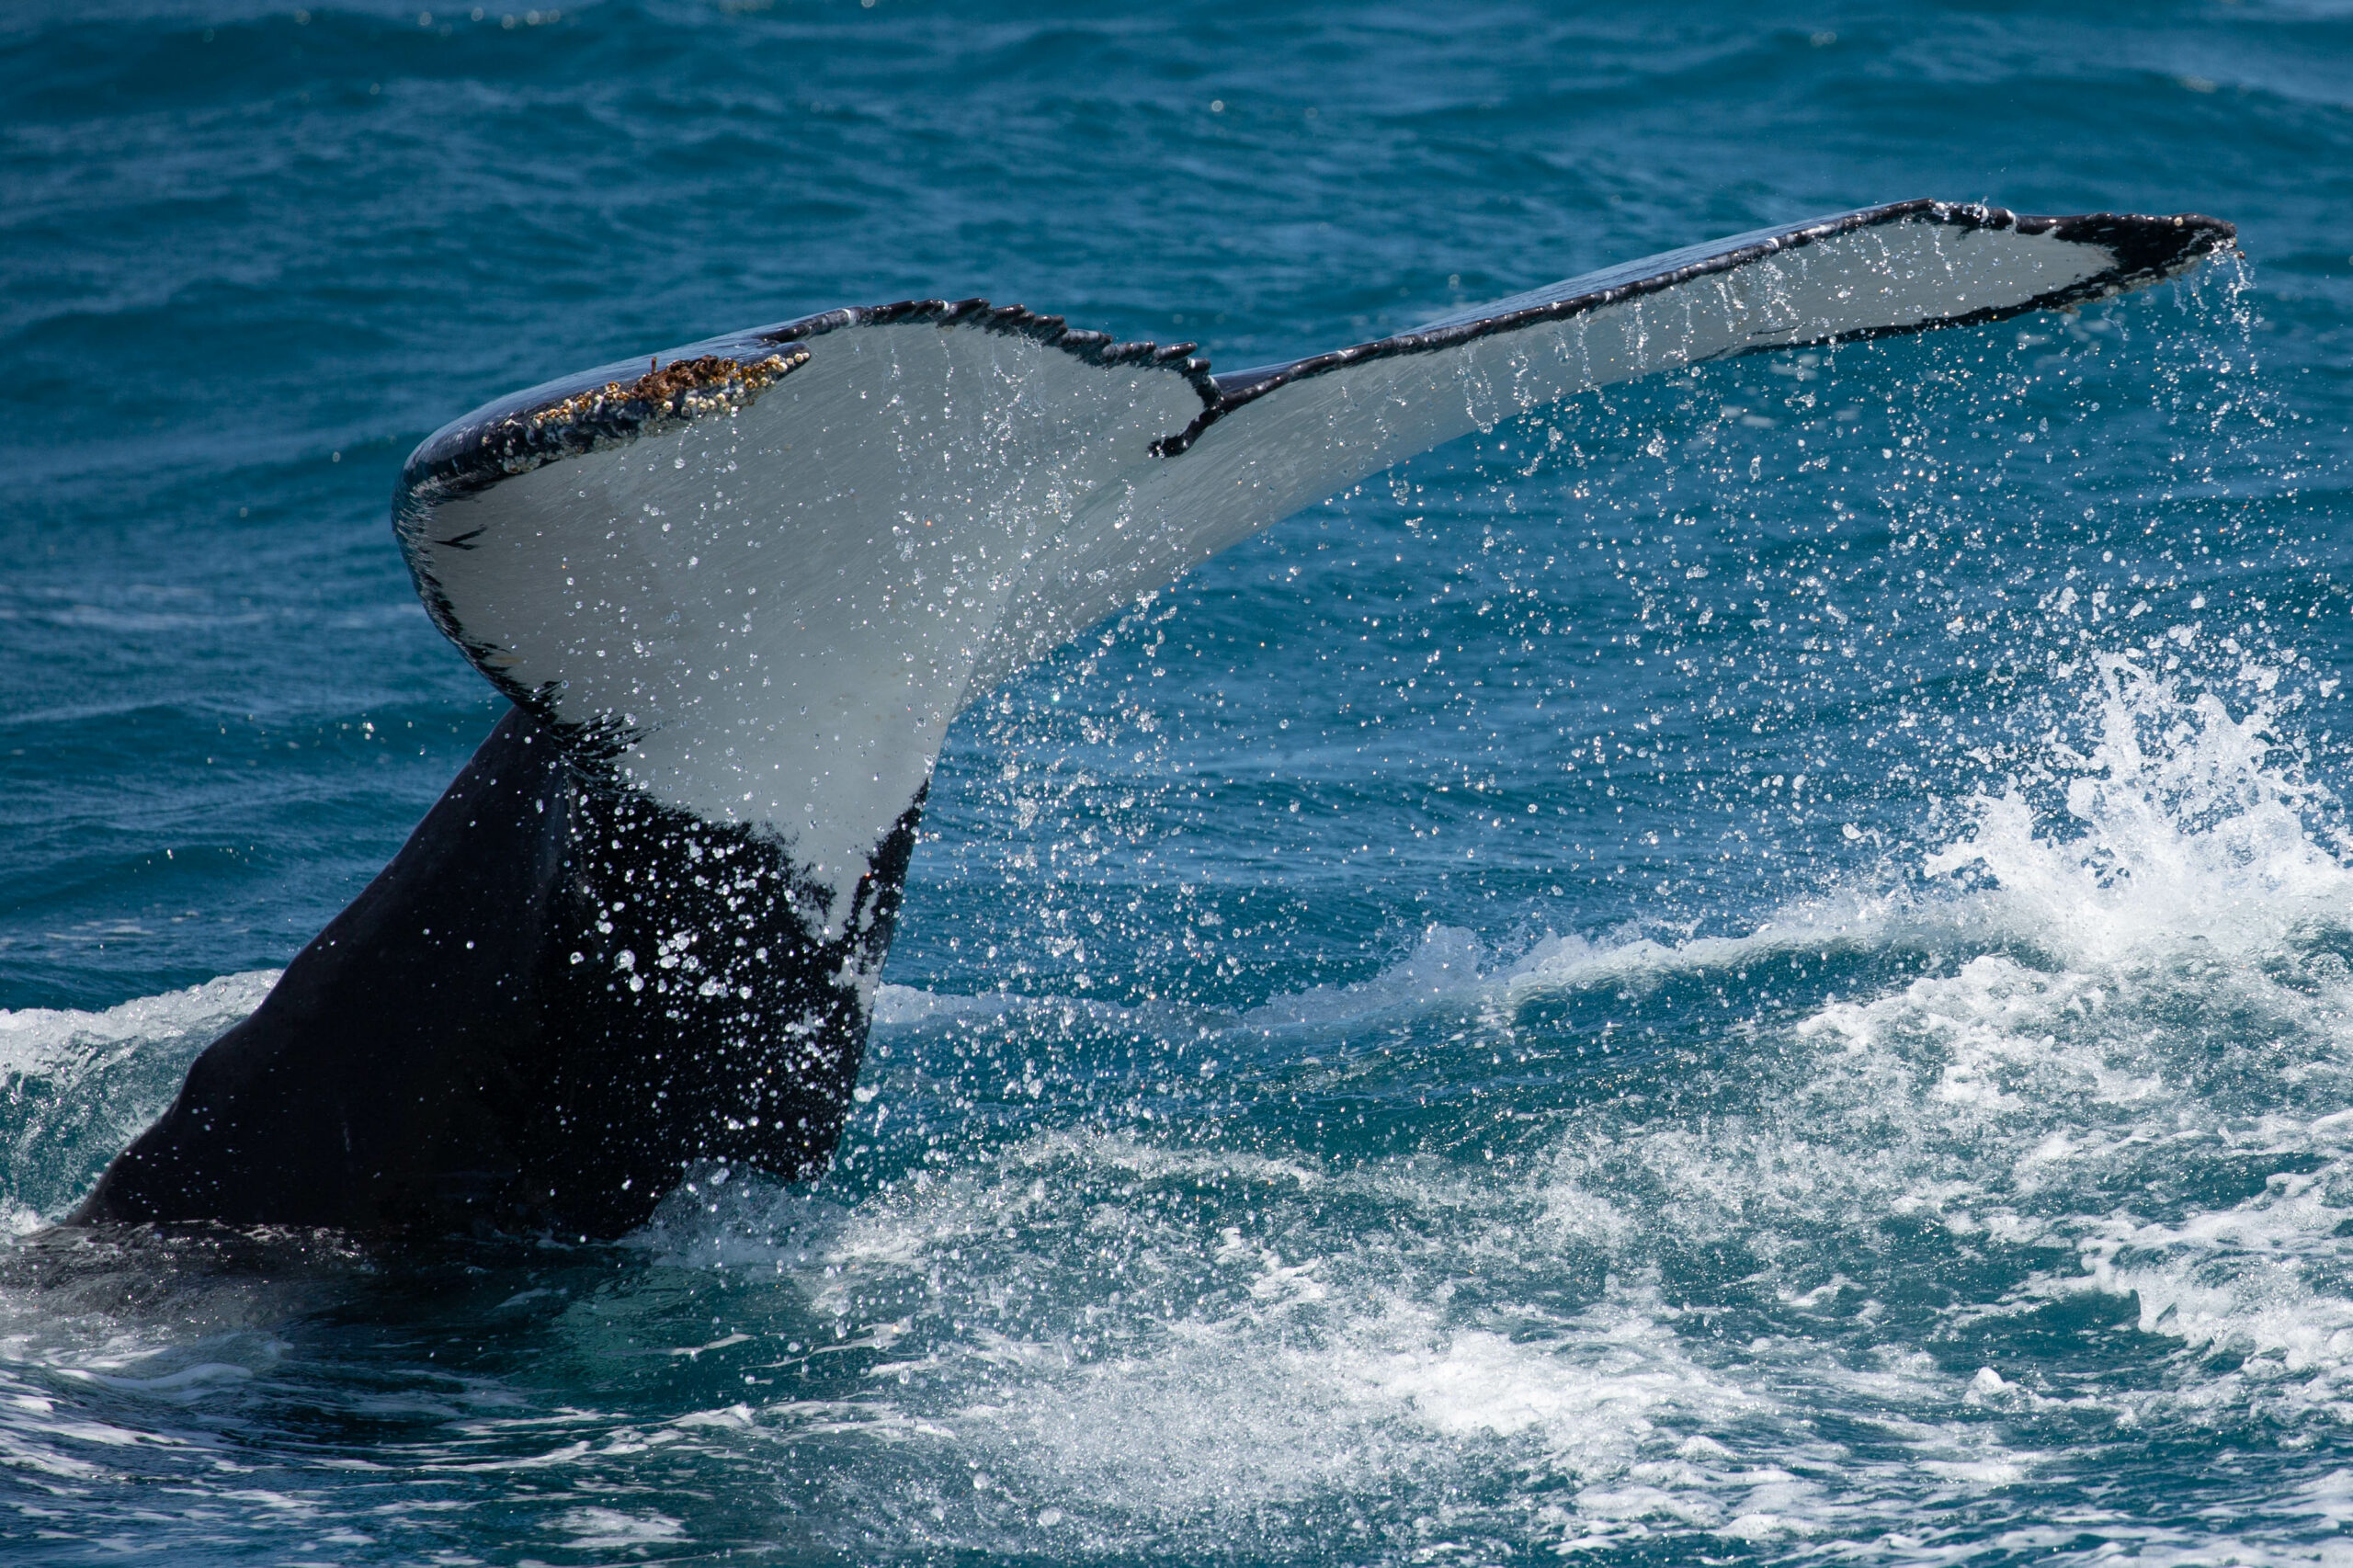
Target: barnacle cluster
[[665, 398], [668, 394]]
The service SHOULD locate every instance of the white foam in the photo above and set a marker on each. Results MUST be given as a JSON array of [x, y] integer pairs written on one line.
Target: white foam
[[86, 1082], [610, 1529], [34, 1038]]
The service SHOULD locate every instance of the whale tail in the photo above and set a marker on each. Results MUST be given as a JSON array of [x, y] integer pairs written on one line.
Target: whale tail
[[736, 601]]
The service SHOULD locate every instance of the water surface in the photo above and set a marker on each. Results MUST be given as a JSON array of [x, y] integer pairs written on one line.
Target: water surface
[[1755, 968]]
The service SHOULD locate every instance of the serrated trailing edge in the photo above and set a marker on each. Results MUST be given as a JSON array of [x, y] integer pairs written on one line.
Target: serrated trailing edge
[[594, 410], [1013, 321]]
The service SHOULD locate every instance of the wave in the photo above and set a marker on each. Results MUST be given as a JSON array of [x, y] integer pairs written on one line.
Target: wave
[[2036, 1129], [82, 1084]]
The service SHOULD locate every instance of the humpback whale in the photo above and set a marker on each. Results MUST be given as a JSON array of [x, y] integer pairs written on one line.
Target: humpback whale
[[736, 593]]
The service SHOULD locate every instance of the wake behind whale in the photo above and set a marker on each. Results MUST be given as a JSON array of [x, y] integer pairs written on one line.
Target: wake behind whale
[[736, 599]]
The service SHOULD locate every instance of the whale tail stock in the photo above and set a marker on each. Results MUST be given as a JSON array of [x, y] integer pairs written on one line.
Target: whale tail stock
[[737, 598]]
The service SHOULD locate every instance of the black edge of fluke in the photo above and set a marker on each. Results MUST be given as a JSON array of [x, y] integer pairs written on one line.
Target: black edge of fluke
[[2147, 250]]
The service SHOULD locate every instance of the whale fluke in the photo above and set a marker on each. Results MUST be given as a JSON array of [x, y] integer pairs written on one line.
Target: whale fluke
[[737, 593]]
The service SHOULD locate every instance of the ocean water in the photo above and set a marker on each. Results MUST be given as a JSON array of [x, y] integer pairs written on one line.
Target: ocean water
[[1757, 967]]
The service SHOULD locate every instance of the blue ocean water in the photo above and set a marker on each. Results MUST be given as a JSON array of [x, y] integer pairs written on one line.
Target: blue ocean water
[[1755, 968]]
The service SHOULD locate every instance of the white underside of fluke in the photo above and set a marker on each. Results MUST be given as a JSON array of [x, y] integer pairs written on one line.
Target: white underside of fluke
[[782, 607]]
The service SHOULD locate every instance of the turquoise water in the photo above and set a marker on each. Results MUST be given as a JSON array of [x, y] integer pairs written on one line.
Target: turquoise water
[[1753, 968]]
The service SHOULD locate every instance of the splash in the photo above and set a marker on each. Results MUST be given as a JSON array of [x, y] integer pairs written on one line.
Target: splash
[[2191, 826]]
